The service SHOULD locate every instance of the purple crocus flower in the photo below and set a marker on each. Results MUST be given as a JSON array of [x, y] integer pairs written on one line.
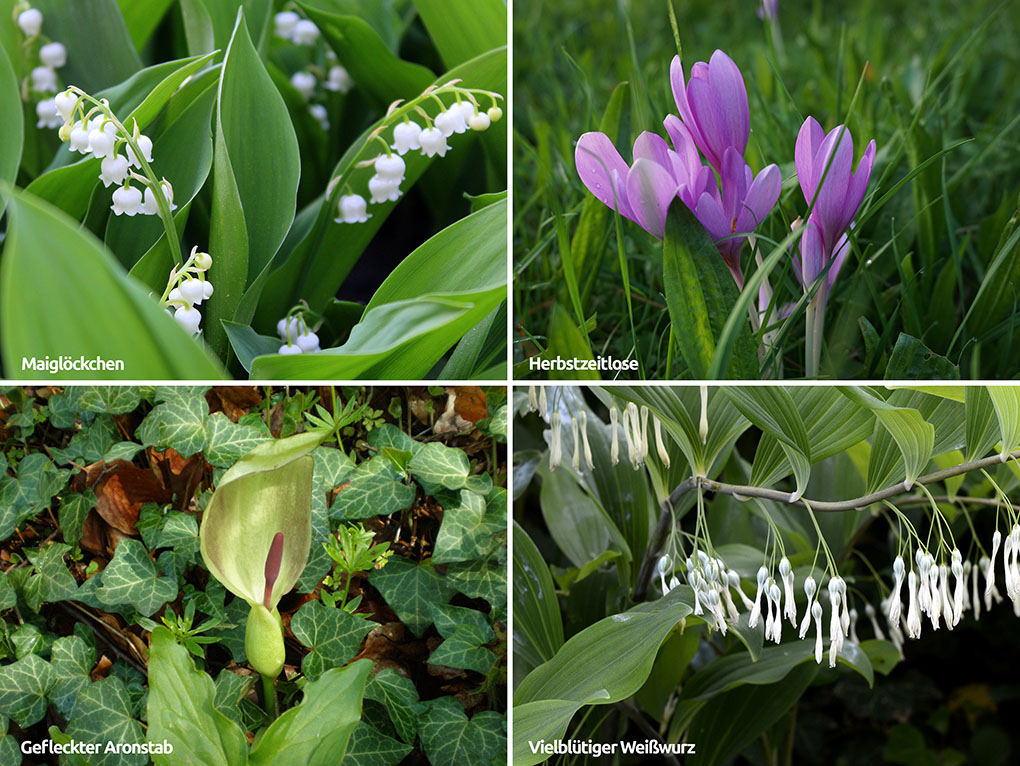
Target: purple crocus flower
[[838, 198], [713, 106]]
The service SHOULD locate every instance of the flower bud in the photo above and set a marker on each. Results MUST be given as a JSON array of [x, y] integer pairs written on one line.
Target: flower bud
[[479, 121], [30, 22], [263, 641], [495, 113], [305, 32], [203, 261], [53, 55]]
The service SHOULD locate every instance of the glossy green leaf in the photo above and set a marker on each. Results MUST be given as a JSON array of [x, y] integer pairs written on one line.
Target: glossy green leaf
[[142, 17], [227, 442], [463, 29], [912, 360], [179, 422], [373, 489], [485, 578], [50, 580], [400, 697], [370, 747], [24, 686], [449, 738], [411, 590], [72, 660], [181, 710], [254, 190], [982, 423], [471, 527], [1006, 401], [316, 731], [700, 292], [103, 713], [132, 578], [332, 635], [538, 628], [11, 125]]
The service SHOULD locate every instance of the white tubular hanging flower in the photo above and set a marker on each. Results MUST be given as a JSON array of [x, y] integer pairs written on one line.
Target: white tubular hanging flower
[[304, 83], [869, 610], [353, 209], [543, 404], [614, 449], [406, 137], [304, 32], [816, 613], [895, 605], [188, 317], [575, 461], [628, 435], [127, 200], [853, 626], [810, 588], [583, 417], [836, 634], [844, 620], [989, 566], [46, 111], [703, 424], [53, 55], [284, 23], [433, 142], [763, 576], [715, 607], [944, 597], [662, 566], [960, 591], [775, 596], [555, 440], [789, 601], [913, 610], [643, 443], [30, 22], [532, 399], [734, 581], [731, 609], [339, 80], [44, 80], [935, 596], [693, 578], [923, 567]]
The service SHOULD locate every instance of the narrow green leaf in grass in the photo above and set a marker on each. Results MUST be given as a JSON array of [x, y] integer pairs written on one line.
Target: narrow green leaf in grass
[[113, 319], [538, 628], [567, 342], [700, 293], [912, 360], [1006, 401]]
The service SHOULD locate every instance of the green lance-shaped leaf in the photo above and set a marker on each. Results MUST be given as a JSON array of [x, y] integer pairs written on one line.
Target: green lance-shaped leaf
[[1006, 401], [256, 535]]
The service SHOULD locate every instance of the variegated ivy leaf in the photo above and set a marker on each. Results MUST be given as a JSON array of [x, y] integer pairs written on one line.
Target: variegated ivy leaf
[[72, 659], [435, 465], [229, 441], [50, 581], [132, 578], [10, 751], [411, 590], [113, 400], [21, 498], [90, 444], [388, 435], [400, 697], [471, 527], [484, 578], [122, 451], [449, 738], [466, 632], [332, 467], [370, 747], [8, 598], [23, 688], [103, 713], [374, 490], [230, 688], [179, 422], [332, 634]]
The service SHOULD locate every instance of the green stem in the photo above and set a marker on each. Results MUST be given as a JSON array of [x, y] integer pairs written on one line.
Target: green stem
[[269, 693]]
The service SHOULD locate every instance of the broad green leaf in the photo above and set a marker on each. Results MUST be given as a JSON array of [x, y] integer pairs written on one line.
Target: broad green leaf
[[485, 578], [538, 628], [103, 713], [471, 527], [8, 598], [568, 342], [179, 422], [142, 17], [883, 655], [23, 497], [481, 353], [50, 581], [466, 633], [373, 490], [11, 125], [254, 189], [114, 319], [228, 442], [230, 688], [72, 660], [370, 747], [181, 710], [132, 578], [248, 344], [112, 400], [1006, 401], [912, 360], [400, 697], [577, 525], [411, 590], [24, 686], [317, 730], [449, 738], [437, 465], [332, 634], [982, 422], [463, 29], [914, 436], [700, 292], [74, 508]]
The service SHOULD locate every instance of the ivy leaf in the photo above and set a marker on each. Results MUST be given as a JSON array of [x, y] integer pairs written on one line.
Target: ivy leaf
[[230, 688], [370, 747], [436, 465], [51, 580], [74, 508], [178, 422], [400, 697], [23, 688], [23, 497], [229, 441], [449, 738], [180, 534], [10, 751], [374, 490], [388, 435], [113, 400], [485, 578], [132, 578], [122, 451], [72, 659], [90, 444], [471, 528], [466, 631], [411, 590], [102, 714], [332, 467], [8, 598], [333, 635]]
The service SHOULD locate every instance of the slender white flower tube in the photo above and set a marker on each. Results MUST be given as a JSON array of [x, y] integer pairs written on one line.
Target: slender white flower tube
[[853, 626], [944, 596], [835, 625], [895, 605], [660, 448], [959, 592], [790, 602], [731, 608], [703, 424], [810, 588], [614, 448], [777, 624], [555, 440], [532, 399], [990, 590], [575, 461], [643, 448], [816, 612], [923, 594], [662, 566], [734, 582], [763, 576], [975, 579], [913, 610], [869, 610], [543, 404], [583, 418], [629, 435]]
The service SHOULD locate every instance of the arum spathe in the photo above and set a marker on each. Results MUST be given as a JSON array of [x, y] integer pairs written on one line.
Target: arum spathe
[[256, 534]]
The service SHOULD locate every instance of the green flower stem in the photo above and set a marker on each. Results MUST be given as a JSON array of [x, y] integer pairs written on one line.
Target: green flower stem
[[269, 697]]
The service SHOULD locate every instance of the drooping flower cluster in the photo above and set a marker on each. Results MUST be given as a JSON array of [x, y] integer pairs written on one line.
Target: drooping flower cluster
[[408, 135], [43, 80], [186, 288], [98, 133], [713, 119], [296, 334]]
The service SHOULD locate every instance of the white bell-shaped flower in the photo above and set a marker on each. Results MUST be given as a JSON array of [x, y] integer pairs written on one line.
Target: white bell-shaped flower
[[406, 137], [44, 80], [79, 139], [127, 200], [451, 121], [433, 142], [192, 291], [189, 318], [174, 296], [308, 341], [383, 190], [46, 111], [102, 140], [150, 207], [113, 170], [763, 576], [304, 83], [391, 167], [207, 289], [288, 327], [304, 32], [284, 23], [339, 79], [321, 115], [65, 103], [145, 147], [479, 121], [53, 55], [913, 607], [289, 349], [353, 209], [30, 22]]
